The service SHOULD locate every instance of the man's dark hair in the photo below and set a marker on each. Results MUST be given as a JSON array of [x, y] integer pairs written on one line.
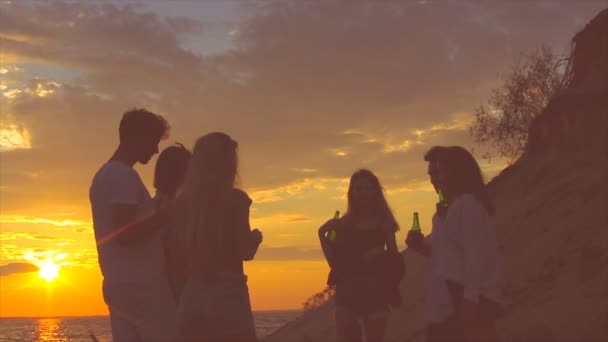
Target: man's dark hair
[[171, 168], [435, 153], [142, 123]]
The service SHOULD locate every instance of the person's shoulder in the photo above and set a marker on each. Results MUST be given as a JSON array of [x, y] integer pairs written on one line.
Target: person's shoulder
[[115, 174], [465, 200], [469, 203], [117, 168]]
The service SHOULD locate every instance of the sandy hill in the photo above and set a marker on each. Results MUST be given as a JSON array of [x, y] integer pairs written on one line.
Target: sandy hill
[[552, 216]]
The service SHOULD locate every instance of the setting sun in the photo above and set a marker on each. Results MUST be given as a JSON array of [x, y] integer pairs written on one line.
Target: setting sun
[[48, 270]]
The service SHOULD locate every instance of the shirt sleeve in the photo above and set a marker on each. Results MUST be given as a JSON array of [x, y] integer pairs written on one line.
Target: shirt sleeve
[[125, 186], [472, 232], [457, 250]]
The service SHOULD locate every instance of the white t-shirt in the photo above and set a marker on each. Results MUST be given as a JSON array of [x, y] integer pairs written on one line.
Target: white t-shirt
[[438, 302], [140, 261], [465, 250]]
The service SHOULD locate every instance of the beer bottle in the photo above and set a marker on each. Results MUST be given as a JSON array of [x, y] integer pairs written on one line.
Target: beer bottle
[[442, 202], [416, 223], [331, 235]]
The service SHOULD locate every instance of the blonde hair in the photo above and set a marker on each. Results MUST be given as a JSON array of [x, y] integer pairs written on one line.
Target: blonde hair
[[211, 176]]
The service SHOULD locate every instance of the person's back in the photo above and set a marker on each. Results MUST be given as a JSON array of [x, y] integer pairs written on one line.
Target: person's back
[[210, 240], [128, 239]]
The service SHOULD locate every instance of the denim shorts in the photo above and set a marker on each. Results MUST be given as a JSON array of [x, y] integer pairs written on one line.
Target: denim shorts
[[217, 310]]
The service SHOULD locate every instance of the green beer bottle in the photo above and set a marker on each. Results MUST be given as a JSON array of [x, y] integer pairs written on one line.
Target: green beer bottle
[[416, 223], [442, 202], [331, 235]]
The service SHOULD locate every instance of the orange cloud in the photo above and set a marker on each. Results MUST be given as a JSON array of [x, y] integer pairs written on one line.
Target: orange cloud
[[13, 137], [424, 185], [6, 236], [38, 220], [295, 188], [278, 219]]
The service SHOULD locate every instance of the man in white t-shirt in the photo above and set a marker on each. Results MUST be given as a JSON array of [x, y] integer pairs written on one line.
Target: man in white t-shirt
[[128, 241]]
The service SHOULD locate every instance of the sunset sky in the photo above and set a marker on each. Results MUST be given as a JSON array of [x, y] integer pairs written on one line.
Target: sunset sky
[[312, 91]]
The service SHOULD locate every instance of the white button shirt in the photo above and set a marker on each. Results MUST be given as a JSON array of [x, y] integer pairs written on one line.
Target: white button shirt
[[464, 249]]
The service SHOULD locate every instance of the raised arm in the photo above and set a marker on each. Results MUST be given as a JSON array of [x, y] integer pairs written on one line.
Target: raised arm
[[326, 245], [248, 240]]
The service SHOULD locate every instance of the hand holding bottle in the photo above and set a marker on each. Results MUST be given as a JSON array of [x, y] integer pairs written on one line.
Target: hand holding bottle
[[328, 230], [415, 238]]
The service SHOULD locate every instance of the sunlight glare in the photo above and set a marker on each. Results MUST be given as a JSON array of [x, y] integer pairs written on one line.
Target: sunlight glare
[[48, 270]]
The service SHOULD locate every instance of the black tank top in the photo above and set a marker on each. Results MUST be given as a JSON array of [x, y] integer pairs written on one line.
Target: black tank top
[[352, 244]]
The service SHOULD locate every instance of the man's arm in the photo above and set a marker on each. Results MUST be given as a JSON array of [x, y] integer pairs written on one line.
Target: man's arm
[[131, 226], [130, 222]]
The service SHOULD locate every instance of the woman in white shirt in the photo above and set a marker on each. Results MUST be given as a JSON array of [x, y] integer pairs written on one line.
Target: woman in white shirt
[[465, 282]]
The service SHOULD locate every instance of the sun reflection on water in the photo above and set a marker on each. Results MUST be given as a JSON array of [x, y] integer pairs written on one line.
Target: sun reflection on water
[[51, 329]]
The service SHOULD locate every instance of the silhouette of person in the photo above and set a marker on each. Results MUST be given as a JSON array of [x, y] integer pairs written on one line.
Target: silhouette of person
[[210, 239], [358, 257], [169, 174], [128, 235], [464, 279]]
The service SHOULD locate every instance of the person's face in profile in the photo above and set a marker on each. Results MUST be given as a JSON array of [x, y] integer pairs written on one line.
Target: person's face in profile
[[363, 191], [147, 146], [437, 175]]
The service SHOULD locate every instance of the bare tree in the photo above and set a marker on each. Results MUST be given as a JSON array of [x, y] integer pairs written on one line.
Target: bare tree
[[319, 299], [502, 124]]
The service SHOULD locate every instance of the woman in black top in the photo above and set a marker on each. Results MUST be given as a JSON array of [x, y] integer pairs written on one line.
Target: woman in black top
[[169, 173], [208, 244], [364, 242]]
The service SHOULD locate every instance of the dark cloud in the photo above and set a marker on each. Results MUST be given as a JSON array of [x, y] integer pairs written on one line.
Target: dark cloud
[[299, 218], [304, 81], [17, 267]]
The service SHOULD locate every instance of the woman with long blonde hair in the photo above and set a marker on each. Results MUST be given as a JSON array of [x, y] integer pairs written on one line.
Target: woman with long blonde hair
[[210, 240]]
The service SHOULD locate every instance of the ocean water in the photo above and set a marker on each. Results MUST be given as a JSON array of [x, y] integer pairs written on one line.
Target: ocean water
[[79, 329]]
